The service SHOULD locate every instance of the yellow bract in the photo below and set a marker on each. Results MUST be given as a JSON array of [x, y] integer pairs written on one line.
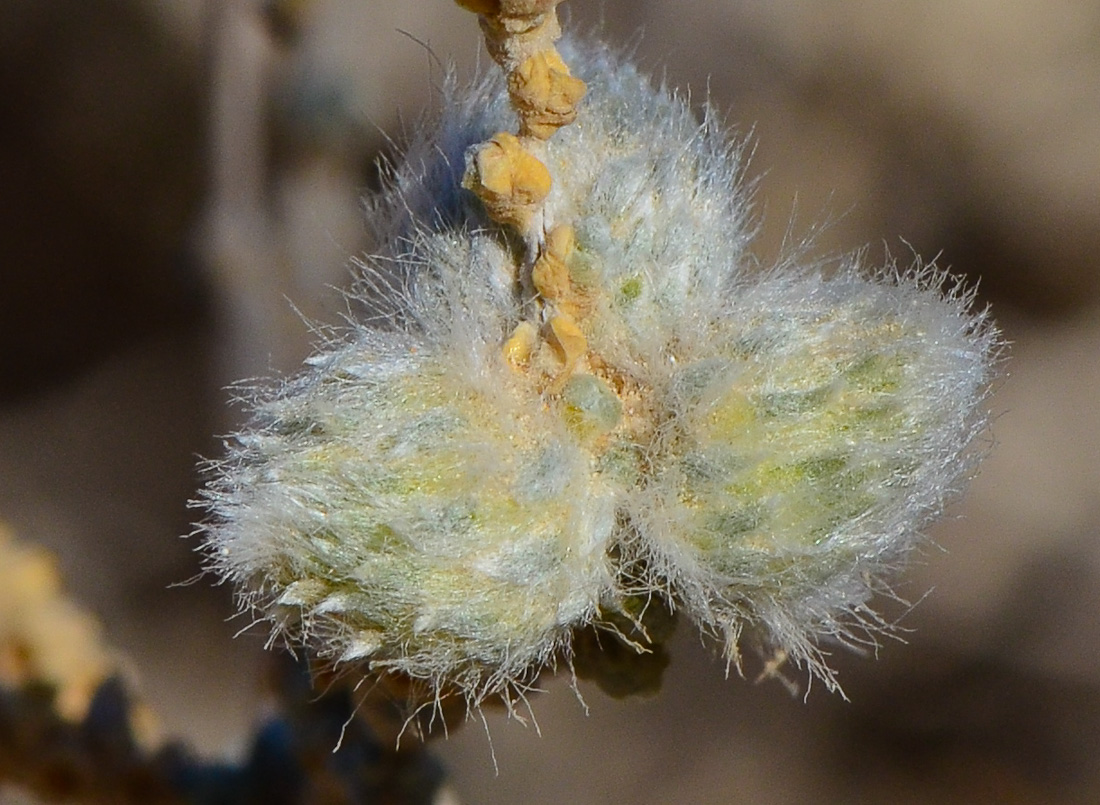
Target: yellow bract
[[511, 183]]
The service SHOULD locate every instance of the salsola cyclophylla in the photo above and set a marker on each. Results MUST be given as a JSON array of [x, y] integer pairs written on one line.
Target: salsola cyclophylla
[[570, 394]]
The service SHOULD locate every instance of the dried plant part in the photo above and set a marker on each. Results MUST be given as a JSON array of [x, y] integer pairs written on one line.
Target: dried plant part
[[44, 636]]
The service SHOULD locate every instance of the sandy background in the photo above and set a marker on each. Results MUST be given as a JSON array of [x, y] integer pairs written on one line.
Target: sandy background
[[173, 172]]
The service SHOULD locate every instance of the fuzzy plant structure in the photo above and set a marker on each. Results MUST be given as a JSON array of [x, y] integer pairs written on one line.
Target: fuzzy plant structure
[[569, 390]]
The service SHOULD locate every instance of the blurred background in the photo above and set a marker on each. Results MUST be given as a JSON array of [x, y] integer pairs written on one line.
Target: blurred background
[[180, 184]]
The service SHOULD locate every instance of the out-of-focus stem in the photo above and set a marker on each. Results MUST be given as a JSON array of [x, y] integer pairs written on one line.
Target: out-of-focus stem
[[241, 240]]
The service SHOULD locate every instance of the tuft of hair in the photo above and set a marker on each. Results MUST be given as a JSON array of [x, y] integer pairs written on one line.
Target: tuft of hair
[[760, 448], [807, 440]]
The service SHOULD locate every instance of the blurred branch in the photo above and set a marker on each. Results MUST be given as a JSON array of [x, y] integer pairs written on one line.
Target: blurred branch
[[242, 241], [69, 733]]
